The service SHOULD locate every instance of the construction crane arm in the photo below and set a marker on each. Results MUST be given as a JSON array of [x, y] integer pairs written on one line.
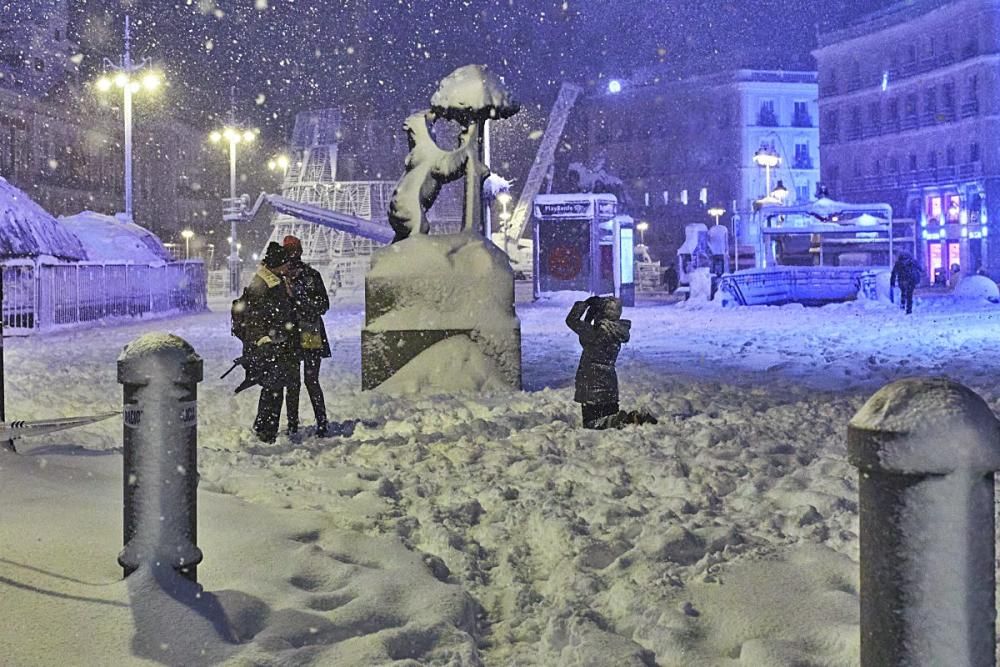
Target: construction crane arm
[[324, 216], [544, 160]]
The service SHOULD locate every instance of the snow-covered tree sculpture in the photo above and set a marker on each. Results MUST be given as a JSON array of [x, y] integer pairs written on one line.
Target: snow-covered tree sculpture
[[470, 96]]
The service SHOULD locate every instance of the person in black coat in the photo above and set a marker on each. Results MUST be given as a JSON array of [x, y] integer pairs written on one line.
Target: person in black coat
[[597, 321], [311, 301], [907, 273], [270, 337]]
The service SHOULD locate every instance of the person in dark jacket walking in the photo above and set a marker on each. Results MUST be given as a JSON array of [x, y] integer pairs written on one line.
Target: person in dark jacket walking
[[270, 337], [907, 273], [597, 321], [311, 301]]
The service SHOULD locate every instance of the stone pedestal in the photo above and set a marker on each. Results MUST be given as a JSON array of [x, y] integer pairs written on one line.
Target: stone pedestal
[[442, 306]]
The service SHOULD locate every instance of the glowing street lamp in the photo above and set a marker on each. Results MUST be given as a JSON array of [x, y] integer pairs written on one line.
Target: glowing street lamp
[[769, 160], [233, 136], [126, 76], [642, 227], [780, 192], [186, 235], [716, 213], [279, 163]]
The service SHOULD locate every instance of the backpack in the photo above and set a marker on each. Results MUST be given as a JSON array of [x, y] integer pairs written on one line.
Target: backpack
[[238, 317]]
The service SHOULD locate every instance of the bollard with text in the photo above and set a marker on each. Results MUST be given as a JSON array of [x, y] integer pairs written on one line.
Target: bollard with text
[[160, 373], [926, 450]]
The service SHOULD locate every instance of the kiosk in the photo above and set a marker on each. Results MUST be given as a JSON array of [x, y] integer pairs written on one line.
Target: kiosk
[[583, 245]]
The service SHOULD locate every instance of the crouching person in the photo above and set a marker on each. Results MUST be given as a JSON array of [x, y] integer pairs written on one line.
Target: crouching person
[[602, 331], [271, 339]]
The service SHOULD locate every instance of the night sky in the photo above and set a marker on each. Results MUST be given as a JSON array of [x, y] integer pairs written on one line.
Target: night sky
[[386, 55]]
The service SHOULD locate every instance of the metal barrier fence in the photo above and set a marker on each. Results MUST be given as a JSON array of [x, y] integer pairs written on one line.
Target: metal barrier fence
[[38, 297]]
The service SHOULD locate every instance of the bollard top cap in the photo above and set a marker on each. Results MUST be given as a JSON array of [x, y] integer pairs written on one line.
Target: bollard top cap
[[925, 425], [165, 351]]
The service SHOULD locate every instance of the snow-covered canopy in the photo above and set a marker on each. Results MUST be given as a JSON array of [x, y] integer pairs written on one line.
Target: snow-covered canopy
[[473, 93], [828, 210], [106, 238], [27, 230]]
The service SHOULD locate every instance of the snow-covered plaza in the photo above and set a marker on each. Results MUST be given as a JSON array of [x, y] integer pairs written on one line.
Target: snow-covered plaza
[[476, 528]]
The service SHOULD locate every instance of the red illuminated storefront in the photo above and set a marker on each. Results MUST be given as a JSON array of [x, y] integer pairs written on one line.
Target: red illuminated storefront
[[953, 230]]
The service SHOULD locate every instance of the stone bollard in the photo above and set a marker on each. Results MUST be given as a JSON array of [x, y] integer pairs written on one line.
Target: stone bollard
[[926, 450], [160, 373]]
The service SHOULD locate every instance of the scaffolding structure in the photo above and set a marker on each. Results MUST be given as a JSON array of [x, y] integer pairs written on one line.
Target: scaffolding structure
[[343, 258]]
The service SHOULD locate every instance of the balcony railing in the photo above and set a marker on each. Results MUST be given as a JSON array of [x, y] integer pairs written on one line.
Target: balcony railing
[[891, 125], [910, 123], [930, 176], [928, 118], [970, 108], [767, 118], [802, 120], [872, 130], [854, 133], [854, 83], [803, 162], [970, 170]]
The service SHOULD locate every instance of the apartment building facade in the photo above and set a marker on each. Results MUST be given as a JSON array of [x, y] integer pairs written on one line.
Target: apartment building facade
[[909, 107], [692, 142]]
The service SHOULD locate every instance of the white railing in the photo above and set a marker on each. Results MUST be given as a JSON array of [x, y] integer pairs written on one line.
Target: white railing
[[40, 297]]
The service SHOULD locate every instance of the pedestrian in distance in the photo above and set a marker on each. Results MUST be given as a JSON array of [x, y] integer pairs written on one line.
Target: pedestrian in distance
[[906, 273], [311, 301], [265, 320], [670, 278], [601, 330]]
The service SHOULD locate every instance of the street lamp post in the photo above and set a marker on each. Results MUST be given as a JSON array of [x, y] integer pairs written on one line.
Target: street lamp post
[[186, 235], [716, 213], [124, 76], [233, 136], [766, 158], [642, 227]]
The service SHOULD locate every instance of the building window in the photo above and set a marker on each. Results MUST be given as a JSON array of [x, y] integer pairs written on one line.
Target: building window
[[802, 193], [857, 167], [948, 100], [58, 35], [932, 160], [970, 107], [802, 158], [892, 114], [894, 165], [949, 156], [875, 117], [910, 112], [974, 152], [855, 81], [767, 116], [800, 116], [39, 65], [930, 105], [913, 162], [877, 168], [854, 132], [831, 133]]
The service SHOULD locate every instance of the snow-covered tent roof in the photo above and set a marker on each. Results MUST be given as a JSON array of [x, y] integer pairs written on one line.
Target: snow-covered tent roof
[[108, 239], [826, 210], [27, 230]]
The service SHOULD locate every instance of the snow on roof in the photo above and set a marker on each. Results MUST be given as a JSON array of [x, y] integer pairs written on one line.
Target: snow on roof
[[473, 91], [108, 239], [27, 230]]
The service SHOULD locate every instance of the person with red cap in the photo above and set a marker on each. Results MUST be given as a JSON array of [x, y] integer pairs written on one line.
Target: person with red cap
[[311, 301]]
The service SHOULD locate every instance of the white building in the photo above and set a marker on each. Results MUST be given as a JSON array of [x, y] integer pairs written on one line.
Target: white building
[[692, 142]]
